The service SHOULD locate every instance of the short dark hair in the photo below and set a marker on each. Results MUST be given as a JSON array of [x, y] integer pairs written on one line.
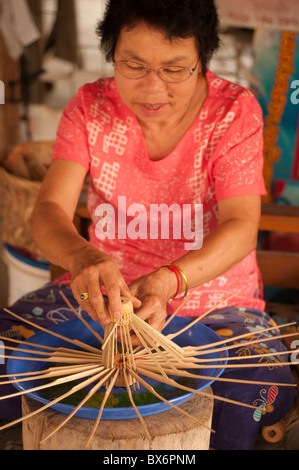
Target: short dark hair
[[177, 18]]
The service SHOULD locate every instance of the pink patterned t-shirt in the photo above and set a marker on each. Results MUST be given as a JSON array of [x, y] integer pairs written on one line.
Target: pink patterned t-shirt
[[220, 156]]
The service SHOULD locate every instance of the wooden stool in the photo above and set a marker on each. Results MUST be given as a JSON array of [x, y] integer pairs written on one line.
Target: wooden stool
[[170, 430]]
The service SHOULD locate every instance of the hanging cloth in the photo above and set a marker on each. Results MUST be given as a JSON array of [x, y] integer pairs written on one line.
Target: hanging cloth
[[63, 39], [17, 26]]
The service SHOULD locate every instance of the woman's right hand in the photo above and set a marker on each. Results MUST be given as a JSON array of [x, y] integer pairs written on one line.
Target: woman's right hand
[[91, 271], [55, 234]]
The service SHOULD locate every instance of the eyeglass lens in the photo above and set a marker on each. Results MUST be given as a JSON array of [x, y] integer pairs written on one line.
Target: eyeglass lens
[[168, 73]]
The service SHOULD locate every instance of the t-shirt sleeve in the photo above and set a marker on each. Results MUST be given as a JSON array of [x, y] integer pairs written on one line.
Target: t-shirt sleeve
[[71, 139], [237, 165]]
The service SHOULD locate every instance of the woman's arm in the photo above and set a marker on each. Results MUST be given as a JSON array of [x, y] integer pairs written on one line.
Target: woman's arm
[[61, 244], [52, 218], [233, 239]]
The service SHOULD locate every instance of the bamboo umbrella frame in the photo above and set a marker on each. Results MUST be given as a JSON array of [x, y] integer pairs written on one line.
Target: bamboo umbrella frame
[[117, 363]]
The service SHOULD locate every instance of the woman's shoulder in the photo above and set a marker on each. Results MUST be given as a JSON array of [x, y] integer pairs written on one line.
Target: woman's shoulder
[[229, 92], [97, 100], [99, 90], [232, 100]]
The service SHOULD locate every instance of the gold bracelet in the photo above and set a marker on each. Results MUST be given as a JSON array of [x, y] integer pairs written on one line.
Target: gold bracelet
[[172, 266]]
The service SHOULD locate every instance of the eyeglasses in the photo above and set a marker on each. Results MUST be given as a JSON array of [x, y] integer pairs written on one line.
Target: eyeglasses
[[168, 73]]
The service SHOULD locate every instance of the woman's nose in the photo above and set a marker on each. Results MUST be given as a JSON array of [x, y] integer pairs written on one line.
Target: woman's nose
[[153, 81]]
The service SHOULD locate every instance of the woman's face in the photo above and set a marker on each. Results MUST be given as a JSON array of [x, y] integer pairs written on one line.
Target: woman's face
[[150, 98]]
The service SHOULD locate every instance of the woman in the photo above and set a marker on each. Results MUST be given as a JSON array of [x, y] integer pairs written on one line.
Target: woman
[[158, 116], [164, 130]]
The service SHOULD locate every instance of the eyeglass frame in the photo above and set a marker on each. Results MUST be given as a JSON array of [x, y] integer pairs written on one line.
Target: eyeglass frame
[[148, 70]]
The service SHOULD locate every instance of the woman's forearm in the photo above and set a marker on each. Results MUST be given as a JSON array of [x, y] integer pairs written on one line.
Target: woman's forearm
[[228, 244], [56, 235], [222, 249]]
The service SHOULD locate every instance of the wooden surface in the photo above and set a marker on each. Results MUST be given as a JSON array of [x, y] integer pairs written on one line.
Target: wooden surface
[[170, 430], [277, 217], [279, 269]]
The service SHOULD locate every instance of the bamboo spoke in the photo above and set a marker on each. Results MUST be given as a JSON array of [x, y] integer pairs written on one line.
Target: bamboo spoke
[[241, 358], [197, 319], [244, 335], [96, 335], [51, 373], [57, 352], [60, 381], [159, 340], [26, 343], [97, 421], [129, 348], [109, 336], [73, 390], [41, 371], [178, 309], [142, 421], [197, 363], [94, 389], [188, 389], [163, 340], [153, 391], [148, 350], [184, 373], [241, 345], [51, 332]]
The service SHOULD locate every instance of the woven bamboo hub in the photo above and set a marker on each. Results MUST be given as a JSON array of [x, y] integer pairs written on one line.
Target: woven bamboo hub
[[122, 363], [117, 347], [128, 312]]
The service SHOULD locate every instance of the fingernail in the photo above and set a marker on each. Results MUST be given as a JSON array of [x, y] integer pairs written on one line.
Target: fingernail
[[117, 314]]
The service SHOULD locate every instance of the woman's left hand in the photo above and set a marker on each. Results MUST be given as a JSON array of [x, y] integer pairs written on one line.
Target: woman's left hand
[[153, 290]]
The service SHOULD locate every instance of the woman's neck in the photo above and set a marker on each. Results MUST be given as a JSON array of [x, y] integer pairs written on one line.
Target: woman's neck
[[161, 138]]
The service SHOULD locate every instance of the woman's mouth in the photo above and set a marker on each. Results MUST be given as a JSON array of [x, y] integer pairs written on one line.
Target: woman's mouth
[[152, 108]]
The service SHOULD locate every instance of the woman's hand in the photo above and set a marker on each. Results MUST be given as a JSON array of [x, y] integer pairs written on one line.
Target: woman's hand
[[153, 290], [92, 270]]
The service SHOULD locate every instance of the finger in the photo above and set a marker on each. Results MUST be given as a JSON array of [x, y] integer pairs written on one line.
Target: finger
[[127, 292], [94, 304], [113, 292], [135, 341], [103, 320], [146, 310], [153, 314], [96, 301], [157, 321], [100, 315]]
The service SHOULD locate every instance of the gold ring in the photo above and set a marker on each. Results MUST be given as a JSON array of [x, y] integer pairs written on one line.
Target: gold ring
[[84, 296]]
